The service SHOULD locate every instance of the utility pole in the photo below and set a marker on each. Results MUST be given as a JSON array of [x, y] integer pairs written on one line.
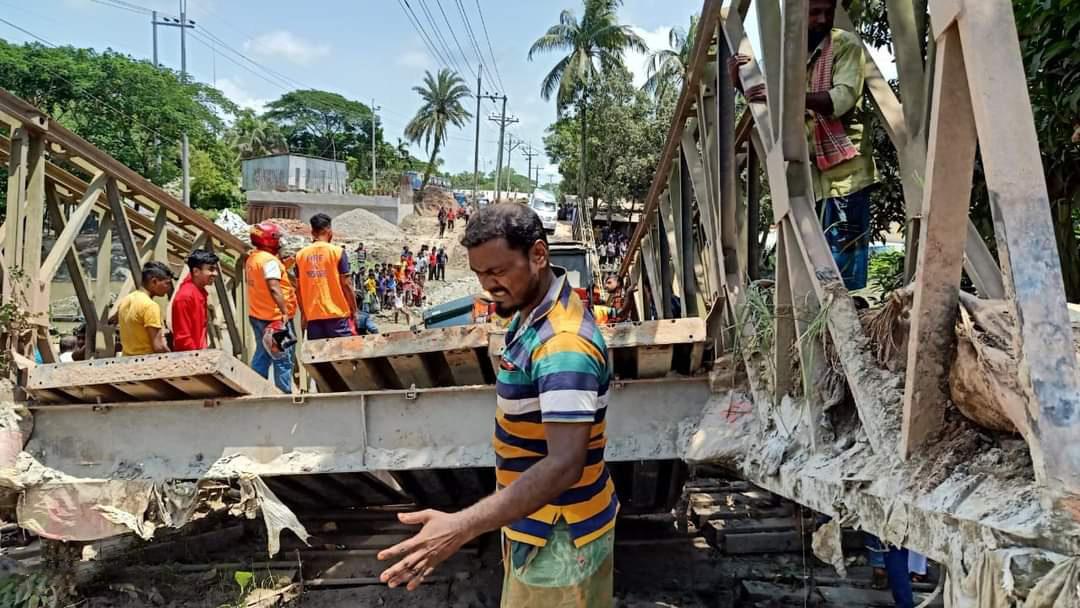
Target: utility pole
[[529, 154], [374, 108], [511, 145], [184, 24], [476, 142], [503, 120]]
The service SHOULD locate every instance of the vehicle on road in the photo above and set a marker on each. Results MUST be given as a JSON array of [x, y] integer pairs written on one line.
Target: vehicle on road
[[543, 203], [573, 258]]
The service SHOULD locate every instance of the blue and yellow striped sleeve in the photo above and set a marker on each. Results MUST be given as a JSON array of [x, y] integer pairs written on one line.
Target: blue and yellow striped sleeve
[[569, 373]]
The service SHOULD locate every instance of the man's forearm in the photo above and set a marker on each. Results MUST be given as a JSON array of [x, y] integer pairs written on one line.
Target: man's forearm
[[279, 299], [536, 487]]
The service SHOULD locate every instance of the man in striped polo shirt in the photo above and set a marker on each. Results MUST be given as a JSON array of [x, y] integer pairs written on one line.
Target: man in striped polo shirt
[[556, 501]]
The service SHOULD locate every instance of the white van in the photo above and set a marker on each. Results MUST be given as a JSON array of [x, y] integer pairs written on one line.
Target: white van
[[543, 203]]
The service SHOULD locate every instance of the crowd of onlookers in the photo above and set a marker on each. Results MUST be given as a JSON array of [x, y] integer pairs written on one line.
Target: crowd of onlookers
[[400, 284], [612, 247]]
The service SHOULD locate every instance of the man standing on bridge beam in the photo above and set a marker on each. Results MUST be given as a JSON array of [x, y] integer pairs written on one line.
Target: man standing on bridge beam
[[556, 501], [841, 148]]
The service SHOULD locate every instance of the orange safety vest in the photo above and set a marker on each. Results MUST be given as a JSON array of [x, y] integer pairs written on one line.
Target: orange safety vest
[[260, 303], [320, 282]]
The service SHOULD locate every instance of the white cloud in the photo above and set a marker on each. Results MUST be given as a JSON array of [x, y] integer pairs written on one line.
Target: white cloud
[[286, 45], [414, 59], [241, 97], [638, 62]]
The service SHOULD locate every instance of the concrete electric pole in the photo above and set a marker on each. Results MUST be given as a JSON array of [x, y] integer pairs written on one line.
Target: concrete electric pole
[[374, 182], [476, 153], [184, 24], [529, 153], [503, 120]]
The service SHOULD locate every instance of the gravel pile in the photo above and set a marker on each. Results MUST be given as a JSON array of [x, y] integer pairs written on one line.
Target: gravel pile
[[360, 225]]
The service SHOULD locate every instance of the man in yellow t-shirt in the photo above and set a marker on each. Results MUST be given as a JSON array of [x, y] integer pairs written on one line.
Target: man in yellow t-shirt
[[139, 316]]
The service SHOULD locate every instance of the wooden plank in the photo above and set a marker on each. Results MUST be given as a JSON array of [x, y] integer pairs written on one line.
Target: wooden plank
[[89, 377], [395, 343], [750, 75], [907, 48], [937, 281], [670, 259], [1026, 245], [16, 199], [34, 215]]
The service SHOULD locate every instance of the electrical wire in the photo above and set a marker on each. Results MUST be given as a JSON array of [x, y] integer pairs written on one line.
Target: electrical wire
[[457, 40], [288, 80], [491, 52], [439, 36], [127, 6], [424, 37], [102, 104], [210, 45], [471, 34]]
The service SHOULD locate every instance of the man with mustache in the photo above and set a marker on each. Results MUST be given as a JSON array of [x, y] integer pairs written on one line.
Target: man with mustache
[[556, 501]]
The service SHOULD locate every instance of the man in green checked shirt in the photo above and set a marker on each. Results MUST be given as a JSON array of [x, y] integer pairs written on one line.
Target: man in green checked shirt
[[841, 152]]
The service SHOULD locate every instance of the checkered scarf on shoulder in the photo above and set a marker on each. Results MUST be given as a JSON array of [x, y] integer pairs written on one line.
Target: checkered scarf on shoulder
[[832, 146]]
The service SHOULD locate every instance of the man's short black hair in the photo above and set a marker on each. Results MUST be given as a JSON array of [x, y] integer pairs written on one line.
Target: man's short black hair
[[202, 257], [80, 330], [517, 223], [156, 270], [320, 222]]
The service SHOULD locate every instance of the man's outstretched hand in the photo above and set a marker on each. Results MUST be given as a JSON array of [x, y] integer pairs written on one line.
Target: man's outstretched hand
[[441, 536], [755, 93]]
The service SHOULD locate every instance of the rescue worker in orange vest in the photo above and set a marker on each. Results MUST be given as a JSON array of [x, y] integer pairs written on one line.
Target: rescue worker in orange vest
[[324, 286], [271, 302]]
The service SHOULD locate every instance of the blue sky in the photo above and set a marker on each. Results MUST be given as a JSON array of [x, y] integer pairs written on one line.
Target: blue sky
[[361, 49]]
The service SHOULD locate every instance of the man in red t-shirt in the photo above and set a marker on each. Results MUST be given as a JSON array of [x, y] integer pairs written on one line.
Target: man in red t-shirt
[[189, 313]]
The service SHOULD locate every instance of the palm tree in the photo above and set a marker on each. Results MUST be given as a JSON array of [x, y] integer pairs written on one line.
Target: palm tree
[[594, 43], [442, 95], [252, 136], [667, 67]]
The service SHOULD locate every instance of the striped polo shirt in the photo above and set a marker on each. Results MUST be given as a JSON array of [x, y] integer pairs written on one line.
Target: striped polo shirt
[[555, 369]]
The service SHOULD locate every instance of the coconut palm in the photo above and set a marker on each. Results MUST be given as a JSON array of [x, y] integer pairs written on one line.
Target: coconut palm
[[667, 67], [442, 108], [252, 136], [594, 43]]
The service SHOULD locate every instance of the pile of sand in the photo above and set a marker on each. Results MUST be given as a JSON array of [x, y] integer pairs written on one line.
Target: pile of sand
[[360, 224]]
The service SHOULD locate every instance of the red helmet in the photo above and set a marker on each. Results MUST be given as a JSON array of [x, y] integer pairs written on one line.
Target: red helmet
[[266, 236]]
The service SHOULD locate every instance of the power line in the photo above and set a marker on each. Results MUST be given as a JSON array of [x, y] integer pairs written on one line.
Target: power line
[[491, 52], [453, 34], [472, 35], [209, 44], [291, 82], [438, 35], [101, 103], [425, 38], [127, 6]]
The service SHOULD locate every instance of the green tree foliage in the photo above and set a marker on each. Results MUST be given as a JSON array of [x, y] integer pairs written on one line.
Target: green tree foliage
[[251, 135], [324, 124], [127, 107], [441, 109], [625, 137], [214, 179], [667, 67], [592, 45]]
